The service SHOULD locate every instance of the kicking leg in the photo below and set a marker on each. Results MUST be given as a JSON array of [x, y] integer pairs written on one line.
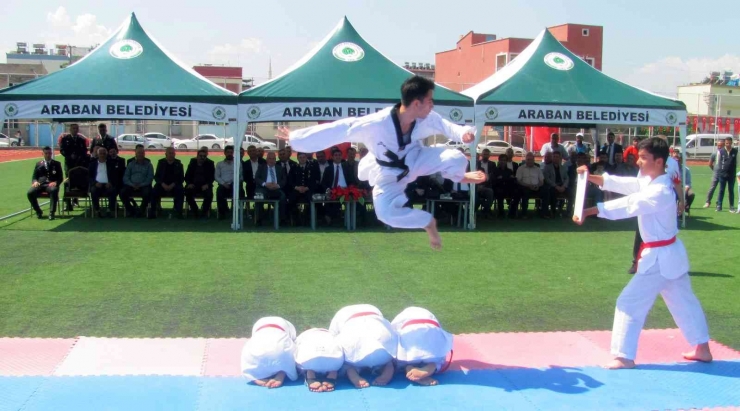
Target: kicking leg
[[435, 241]]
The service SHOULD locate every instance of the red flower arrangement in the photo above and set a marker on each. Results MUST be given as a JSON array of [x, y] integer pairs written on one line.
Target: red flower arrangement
[[351, 193]]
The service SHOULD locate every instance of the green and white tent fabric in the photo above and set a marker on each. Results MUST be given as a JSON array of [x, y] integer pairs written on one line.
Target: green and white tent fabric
[[129, 76], [343, 76], [546, 84]]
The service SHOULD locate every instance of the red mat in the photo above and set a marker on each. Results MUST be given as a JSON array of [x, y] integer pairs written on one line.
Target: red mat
[[223, 357], [32, 356]]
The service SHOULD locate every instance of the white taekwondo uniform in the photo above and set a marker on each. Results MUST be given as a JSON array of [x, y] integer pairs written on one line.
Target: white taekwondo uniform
[[318, 350], [367, 339], [394, 160], [421, 338], [663, 266], [270, 350]]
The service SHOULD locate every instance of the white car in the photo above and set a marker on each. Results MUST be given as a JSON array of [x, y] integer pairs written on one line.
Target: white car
[[166, 141], [250, 140], [202, 140], [454, 145], [6, 141], [130, 141], [701, 145], [498, 147]]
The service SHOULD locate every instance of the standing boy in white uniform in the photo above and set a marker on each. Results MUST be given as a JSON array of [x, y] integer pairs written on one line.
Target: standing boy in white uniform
[[663, 266], [396, 155]]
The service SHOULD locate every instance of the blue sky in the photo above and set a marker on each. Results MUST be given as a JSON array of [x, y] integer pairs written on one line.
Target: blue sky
[[653, 44]]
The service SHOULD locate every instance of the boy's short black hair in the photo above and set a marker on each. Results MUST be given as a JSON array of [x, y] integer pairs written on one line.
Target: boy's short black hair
[[139, 146], [415, 88], [655, 146]]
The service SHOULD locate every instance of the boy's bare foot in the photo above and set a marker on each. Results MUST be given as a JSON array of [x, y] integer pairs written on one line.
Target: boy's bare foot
[[435, 241], [385, 377], [330, 381], [314, 385], [474, 177], [416, 374], [276, 381], [355, 379], [700, 353], [261, 383], [620, 363]]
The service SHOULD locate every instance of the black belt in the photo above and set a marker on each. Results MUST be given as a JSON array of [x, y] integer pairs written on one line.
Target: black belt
[[399, 163]]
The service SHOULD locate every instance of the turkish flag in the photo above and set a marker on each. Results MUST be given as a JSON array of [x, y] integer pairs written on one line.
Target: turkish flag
[[696, 122], [541, 135], [720, 125], [703, 124], [711, 124], [737, 125], [727, 124]]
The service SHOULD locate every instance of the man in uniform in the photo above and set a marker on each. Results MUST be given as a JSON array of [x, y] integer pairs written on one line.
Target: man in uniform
[[47, 176], [103, 140], [73, 146], [301, 182]]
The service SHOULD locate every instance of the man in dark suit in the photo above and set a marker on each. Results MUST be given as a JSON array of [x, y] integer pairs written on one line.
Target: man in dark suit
[[269, 181], [611, 149], [485, 165], [47, 177], [73, 146], [102, 140], [250, 168], [503, 181], [101, 182], [168, 179], [117, 168], [336, 174], [301, 183], [199, 180]]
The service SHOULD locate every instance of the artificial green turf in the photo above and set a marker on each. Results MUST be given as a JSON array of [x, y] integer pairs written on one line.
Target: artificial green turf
[[172, 278]]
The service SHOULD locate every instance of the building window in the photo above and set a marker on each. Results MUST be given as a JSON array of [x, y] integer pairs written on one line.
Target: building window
[[729, 91], [729, 112], [585, 32], [590, 61], [500, 61], [139, 126], [512, 56]]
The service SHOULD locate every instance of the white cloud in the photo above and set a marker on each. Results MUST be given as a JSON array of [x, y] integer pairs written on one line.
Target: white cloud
[[83, 30], [232, 53], [664, 75]]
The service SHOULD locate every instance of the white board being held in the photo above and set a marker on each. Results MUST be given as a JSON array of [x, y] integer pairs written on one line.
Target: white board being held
[[580, 196]]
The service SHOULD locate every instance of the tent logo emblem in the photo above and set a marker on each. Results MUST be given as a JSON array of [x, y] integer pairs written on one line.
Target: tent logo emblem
[[348, 52], [253, 112], [559, 61], [11, 110], [671, 118], [126, 49], [456, 114], [219, 113], [491, 113]]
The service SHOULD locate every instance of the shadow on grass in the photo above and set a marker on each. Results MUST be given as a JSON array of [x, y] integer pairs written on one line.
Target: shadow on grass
[[701, 274]]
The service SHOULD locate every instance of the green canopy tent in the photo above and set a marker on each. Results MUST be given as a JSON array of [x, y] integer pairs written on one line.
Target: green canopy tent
[[548, 85], [129, 76], [344, 76]]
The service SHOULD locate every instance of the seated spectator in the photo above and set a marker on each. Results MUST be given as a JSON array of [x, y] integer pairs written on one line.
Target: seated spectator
[[320, 165], [629, 167], [261, 154], [302, 184], [546, 160], [47, 177], [504, 185], [417, 191], [270, 180], [250, 169], [224, 176], [101, 183], [117, 170], [337, 174], [285, 163], [557, 184], [199, 178], [137, 181], [485, 165], [511, 165], [530, 180], [689, 194], [169, 178]]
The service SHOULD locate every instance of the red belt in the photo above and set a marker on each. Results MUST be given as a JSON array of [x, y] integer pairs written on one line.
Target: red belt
[[361, 314], [420, 321], [270, 326], [654, 244]]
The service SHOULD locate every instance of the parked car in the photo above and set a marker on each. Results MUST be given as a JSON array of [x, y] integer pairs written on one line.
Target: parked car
[[6, 141], [454, 145], [159, 138], [250, 140], [130, 141], [498, 147], [202, 140], [701, 145]]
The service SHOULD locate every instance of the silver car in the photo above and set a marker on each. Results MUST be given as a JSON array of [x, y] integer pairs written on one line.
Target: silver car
[[6, 141], [166, 141], [130, 141]]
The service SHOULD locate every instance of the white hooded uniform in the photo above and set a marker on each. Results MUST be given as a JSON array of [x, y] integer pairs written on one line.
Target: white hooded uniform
[[421, 339], [381, 134], [319, 351], [270, 350], [367, 339]]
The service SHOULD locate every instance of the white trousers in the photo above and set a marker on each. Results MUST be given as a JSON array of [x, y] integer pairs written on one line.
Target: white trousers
[[635, 301], [388, 193]]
